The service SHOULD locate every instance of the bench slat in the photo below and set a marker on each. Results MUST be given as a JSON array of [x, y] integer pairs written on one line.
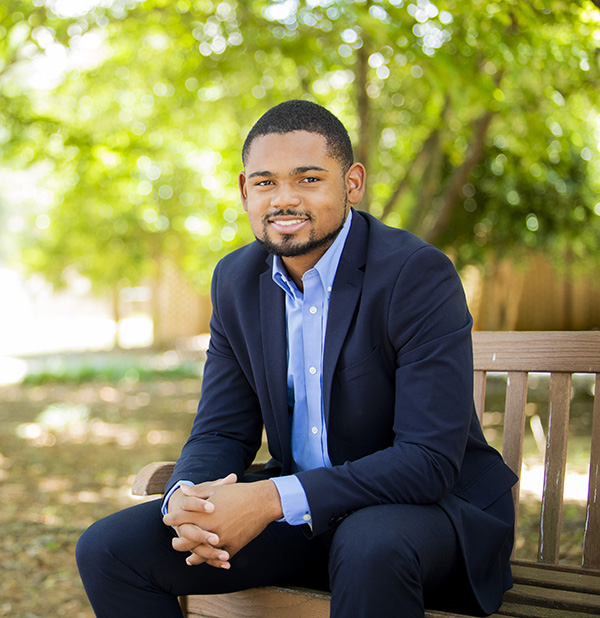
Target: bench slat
[[574, 579], [553, 598], [479, 383], [591, 545], [265, 602], [514, 427], [554, 468], [537, 351], [531, 611]]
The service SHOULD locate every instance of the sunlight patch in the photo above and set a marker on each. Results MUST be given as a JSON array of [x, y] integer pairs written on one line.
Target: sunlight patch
[[66, 423]]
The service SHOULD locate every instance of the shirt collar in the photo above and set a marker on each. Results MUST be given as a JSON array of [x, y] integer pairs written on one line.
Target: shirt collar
[[326, 267]]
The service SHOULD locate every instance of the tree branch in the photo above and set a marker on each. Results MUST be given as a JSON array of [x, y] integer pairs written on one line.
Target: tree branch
[[459, 178], [416, 166]]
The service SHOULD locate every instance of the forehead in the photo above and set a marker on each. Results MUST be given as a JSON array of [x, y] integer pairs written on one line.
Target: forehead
[[288, 151]]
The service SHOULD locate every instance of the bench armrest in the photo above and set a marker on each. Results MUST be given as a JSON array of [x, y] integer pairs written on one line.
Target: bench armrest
[[151, 479]]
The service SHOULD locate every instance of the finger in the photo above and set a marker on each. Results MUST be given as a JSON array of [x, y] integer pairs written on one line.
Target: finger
[[195, 559], [206, 553], [190, 536], [230, 479], [186, 511], [195, 503], [196, 492]]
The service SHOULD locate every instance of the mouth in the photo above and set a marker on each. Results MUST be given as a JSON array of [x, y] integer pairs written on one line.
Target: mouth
[[287, 224]]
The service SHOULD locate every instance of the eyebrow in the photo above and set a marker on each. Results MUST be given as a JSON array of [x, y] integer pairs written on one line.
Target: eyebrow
[[298, 170]]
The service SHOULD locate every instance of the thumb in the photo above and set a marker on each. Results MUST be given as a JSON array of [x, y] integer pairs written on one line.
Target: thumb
[[230, 479]]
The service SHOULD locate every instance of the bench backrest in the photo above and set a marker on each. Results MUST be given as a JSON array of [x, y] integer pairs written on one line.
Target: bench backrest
[[561, 354]]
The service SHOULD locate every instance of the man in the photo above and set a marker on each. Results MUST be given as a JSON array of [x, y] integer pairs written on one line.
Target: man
[[349, 341]]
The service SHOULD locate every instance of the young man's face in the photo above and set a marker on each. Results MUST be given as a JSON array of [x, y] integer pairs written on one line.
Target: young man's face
[[297, 195]]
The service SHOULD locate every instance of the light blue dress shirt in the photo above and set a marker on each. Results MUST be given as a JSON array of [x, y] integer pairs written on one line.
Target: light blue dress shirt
[[306, 324]]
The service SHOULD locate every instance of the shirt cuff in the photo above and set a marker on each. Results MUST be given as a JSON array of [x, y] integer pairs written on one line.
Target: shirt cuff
[[294, 503], [165, 502]]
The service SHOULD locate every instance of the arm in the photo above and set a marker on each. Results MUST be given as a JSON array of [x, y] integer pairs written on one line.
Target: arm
[[227, 429]]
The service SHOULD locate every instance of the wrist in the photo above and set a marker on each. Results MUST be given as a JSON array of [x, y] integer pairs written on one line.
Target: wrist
[[270, 499]]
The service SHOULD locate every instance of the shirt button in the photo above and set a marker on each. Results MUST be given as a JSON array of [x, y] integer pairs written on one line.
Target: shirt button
[[329, 288], [315, 431], [306, 517], [313, 370], [313, 310]]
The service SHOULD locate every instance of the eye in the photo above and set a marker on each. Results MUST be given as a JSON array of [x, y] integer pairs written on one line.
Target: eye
[[264, 183], [310, 179]]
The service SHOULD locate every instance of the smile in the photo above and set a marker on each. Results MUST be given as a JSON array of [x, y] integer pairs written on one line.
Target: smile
[[287, 225]]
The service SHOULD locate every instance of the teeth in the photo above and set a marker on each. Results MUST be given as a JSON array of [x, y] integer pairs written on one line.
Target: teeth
[[292, 222]]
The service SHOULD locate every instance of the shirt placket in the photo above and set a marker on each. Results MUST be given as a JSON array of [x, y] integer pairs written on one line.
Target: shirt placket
[[312, 334]]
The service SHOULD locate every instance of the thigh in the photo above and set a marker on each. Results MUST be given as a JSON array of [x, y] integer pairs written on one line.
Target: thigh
[[406, 550], [138, 539]]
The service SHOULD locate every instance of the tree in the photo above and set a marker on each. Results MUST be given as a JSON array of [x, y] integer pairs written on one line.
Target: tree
[[477, 121]]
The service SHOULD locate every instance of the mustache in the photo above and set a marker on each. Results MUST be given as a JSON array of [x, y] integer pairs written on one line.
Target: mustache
[[286, 212]]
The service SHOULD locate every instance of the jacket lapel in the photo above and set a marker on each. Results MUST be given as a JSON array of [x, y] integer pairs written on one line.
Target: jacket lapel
[[347, 289], [274, 350]]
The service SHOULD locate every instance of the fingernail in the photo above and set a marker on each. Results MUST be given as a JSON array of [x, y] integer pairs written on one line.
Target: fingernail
[[226, 565], [209, 507], [212, 539], [223, 556]]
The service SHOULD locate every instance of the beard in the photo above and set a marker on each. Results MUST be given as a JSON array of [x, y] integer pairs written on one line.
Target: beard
[[288, 246]]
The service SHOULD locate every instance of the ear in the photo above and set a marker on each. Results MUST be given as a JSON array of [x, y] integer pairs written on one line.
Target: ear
[[356, 178], [243, 190]]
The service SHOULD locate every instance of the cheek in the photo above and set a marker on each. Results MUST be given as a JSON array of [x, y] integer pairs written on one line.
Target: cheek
[[255, 220]]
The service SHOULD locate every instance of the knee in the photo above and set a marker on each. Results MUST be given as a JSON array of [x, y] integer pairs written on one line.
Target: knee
[[94, 547], [362, 544], [117, 538]]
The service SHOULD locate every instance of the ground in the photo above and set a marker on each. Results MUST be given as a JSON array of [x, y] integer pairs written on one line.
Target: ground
[[68, 455]]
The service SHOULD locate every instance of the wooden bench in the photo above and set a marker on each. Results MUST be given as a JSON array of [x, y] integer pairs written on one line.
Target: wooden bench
[[543, 587]]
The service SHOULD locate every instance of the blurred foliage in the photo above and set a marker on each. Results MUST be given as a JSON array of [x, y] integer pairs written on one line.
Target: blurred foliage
[[80, 369], [477, 120]]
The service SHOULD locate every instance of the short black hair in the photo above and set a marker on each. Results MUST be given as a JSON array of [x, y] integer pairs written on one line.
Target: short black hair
[[299, 115]]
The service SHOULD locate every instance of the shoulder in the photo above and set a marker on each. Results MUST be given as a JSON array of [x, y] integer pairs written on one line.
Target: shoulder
[[244, 262], [239, 271], [396, 248]]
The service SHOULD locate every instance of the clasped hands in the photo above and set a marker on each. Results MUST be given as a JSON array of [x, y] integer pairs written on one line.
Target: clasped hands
[[214, 520]]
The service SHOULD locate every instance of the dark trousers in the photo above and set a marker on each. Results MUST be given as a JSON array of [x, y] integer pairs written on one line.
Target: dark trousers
[[381, 562]]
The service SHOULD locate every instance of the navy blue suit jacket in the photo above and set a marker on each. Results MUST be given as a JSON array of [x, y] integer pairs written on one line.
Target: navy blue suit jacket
[[397, 393]]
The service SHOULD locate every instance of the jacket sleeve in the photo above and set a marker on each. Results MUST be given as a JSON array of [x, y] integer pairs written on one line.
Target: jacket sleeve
[[227, 429], [429, 327]]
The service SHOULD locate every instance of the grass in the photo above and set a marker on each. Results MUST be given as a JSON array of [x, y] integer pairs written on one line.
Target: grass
[[108, 367]]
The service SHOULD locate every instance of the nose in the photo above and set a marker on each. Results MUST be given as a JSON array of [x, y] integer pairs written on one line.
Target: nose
[[285, 195]]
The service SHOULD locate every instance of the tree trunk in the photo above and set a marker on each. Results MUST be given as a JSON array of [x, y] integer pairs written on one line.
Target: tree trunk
[[363, 148], [156, 309], [459, 178], [116, 314], [415, 170]]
